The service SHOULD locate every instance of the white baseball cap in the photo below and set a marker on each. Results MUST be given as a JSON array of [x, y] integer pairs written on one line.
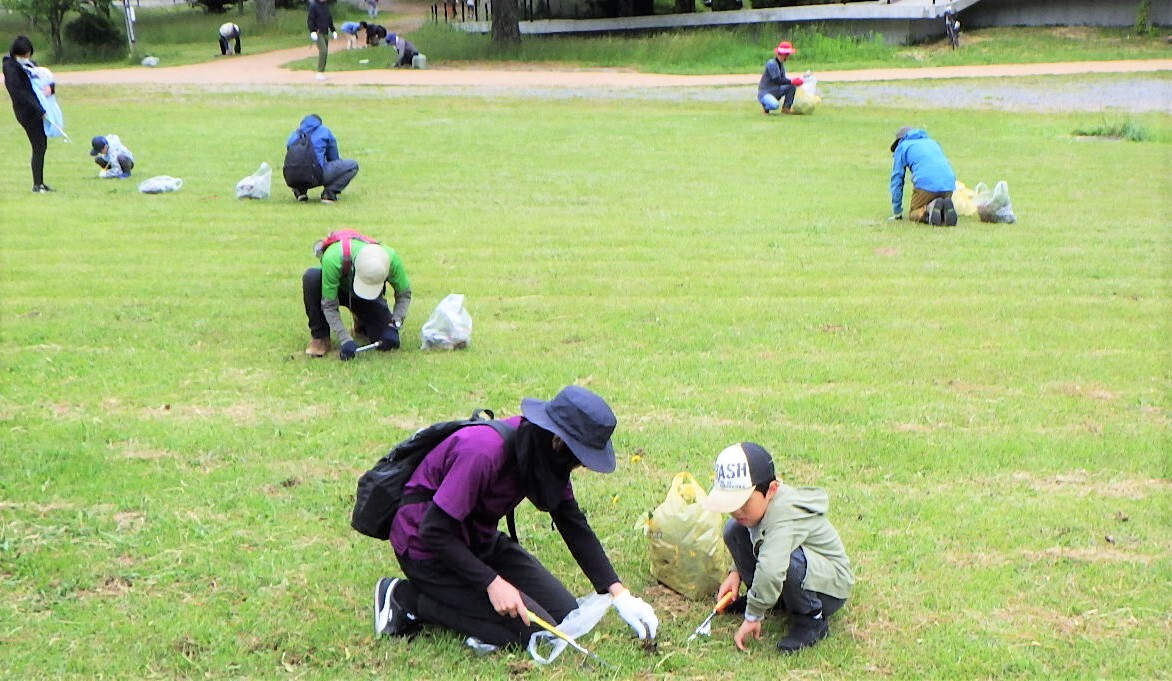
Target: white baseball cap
[[371, 267], [739, 469]]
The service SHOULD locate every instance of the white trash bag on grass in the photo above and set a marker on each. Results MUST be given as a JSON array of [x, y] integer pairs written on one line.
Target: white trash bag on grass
[[449, 327], [257, 185], [159, 184], [544, 647]]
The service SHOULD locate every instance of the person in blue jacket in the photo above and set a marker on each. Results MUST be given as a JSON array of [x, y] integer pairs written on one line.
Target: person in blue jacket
[[932, 178], [336, 171]]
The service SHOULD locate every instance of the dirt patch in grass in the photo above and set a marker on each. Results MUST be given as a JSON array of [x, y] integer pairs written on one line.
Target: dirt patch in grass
[[132, 450], [1082, 483], [1094, 392]]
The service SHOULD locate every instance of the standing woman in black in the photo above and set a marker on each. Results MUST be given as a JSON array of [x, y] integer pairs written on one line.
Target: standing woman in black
[[29, 112]]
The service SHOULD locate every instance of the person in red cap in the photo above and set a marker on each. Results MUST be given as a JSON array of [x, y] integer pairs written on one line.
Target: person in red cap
[[463, 574], [776, 90]]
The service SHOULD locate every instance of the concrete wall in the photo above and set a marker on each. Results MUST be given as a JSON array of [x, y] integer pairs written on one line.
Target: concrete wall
[[1117, 13]]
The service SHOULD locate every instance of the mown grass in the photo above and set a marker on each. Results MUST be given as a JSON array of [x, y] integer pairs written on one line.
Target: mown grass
[[986, 404]]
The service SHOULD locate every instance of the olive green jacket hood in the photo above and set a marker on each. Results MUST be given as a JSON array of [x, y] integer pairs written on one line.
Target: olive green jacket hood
[[797, 516]]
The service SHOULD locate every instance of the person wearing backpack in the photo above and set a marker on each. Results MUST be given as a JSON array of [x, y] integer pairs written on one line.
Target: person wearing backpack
[[353, 273], [325, 169], [460, 572]]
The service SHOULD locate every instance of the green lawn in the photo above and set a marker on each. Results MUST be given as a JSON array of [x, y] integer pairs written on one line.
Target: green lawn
[[987, 404]]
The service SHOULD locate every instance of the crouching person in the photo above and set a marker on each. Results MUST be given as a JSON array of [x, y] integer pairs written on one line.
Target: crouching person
[[114, 159], [461, 573], [354, 272], [318, 163], [784, 549]]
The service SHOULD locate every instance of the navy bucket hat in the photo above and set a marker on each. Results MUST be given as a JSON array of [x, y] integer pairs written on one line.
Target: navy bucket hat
[[582, 420]]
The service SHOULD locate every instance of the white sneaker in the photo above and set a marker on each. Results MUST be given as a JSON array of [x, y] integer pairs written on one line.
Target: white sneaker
[[320, 76]]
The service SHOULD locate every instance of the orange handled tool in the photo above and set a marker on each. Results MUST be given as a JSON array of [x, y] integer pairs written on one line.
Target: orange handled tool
[[705, 627]]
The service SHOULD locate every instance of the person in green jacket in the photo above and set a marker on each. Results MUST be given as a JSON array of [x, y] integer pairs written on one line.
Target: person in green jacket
[[783, 547]]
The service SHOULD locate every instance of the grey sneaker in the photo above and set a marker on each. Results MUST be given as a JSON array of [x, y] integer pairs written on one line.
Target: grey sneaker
[[934, 213], [949, 212], [390, 617]]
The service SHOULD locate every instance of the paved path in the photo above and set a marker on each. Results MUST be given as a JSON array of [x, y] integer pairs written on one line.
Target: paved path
[[266, 69]]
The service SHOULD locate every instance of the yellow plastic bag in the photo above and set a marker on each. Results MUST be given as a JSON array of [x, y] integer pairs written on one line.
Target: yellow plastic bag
[[963, 200], [686, 542], [804, 102]]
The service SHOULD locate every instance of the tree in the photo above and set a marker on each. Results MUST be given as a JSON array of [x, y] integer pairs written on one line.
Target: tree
[[49, 14], [266, 11], [506, 27]]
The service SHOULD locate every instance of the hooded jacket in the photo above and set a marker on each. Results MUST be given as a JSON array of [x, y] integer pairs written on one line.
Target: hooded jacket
[[925, 158], [325, 147], [796, 516], [25, 104]]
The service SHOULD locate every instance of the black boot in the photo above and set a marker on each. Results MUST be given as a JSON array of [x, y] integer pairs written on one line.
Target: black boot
[[804, 631]]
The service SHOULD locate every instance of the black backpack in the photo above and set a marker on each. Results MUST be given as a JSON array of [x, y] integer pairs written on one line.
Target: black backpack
[[380, 489], [301, 167]]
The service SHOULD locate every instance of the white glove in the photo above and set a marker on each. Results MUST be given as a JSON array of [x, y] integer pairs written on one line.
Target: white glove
[[335, 34], [313, 36], [637, 614]]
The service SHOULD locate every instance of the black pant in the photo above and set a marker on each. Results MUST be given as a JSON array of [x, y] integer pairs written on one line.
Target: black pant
[[794, 599], [448, 600], [375, 314], [224, 45], [35, 129]]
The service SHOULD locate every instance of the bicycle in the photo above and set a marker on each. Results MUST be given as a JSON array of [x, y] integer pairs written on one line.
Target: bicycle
[[952, 28]]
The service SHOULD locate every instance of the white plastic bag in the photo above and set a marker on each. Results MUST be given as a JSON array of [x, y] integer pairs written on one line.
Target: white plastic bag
[[257, 185], [994, 206], [159, 184], [449, 327], [578, 623]]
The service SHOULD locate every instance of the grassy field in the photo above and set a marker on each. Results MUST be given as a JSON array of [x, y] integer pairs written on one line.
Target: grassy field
[[986, 404]]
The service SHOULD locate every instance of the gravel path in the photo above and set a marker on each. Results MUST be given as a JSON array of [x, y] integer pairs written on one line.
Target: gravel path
[[1140, 86]]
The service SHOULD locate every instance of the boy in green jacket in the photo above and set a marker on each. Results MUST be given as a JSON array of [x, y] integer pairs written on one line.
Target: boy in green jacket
[[783, 548]]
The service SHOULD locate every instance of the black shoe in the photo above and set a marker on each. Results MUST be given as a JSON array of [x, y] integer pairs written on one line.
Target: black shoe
[[804, 631], [42, 189], [934, 213], [329, 197], [949, 212], [300, 195], [390, 617]]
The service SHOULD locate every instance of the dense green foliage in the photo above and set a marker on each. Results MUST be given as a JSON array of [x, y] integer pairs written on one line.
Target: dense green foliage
[[987, 404]]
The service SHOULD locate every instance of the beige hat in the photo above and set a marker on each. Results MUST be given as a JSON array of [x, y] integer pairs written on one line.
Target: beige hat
[[371, 267]]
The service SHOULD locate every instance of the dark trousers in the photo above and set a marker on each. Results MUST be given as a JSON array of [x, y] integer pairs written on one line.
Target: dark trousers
[[375, 314], [448, 600], [124, 162], [224, 45], [794, 599], [35, 130]]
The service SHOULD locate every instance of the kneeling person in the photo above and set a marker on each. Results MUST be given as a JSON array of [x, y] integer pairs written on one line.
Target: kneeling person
[[354, 272], [783, 547]]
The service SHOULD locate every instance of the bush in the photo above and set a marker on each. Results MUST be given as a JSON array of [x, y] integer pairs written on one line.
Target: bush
[[94, 33]]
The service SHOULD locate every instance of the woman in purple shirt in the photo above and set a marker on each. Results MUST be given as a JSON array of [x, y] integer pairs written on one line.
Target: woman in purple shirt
[[460, 571]]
